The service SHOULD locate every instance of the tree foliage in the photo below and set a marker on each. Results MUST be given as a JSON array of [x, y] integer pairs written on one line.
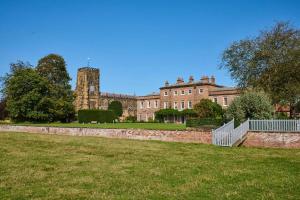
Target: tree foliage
[[270, 61], [208, 109], [252, 105], [116, 107], [3, 110], [32, 96]]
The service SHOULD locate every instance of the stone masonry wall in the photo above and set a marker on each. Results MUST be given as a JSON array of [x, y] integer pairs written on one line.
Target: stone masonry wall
[[269, 139], [172, 136]]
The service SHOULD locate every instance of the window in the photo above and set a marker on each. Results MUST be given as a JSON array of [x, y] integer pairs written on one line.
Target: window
[[190, 91], [149, 104], [156, 104], [165, 105], [225, 103], [175, 105], [92, 90], [200, 91], [142, 104], [216, 100], [166, 93], [182, 105], [182, 92], [175, 93], [190, 105]]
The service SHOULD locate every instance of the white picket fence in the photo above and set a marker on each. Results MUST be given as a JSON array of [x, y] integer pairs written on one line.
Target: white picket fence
[[227, 135], [274, 125]]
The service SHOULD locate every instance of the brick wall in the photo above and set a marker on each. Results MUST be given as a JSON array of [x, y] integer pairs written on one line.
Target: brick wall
[[268, 139]]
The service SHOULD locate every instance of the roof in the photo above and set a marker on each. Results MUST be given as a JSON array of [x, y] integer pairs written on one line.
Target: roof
[[186, 84], [114, 95]]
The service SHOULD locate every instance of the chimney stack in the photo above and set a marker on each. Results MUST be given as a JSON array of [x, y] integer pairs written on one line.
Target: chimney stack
[[166, 83], [204, 79], [191, 79], [180, 80], [212, 80]]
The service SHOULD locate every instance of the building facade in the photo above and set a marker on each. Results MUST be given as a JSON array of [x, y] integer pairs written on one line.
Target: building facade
[[184, 95], [180, 95], [88, 95]]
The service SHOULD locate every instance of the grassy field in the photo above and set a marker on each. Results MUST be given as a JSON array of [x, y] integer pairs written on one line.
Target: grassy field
[[34, 166], [150, 126]]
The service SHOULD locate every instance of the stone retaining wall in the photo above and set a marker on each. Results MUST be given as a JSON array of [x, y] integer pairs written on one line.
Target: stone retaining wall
[[173, 136], [270, 139]]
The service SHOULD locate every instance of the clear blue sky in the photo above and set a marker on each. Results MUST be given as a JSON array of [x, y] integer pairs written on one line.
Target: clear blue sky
[[136, 44]]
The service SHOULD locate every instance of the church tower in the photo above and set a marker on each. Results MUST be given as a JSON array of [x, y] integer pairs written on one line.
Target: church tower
[[87, 88]]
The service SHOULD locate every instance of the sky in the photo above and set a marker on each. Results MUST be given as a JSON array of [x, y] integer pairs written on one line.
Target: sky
[[137, 45]]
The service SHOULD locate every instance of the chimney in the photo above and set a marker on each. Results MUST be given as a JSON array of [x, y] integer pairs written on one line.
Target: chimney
[[180, 80], [204, 79], [212, 80], [191, 79], [166, 84]]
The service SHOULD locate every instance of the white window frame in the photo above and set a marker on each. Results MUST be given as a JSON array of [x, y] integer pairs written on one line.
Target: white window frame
[[156, 104], [201, 90], [225, 103], [182, 93], [165, 93], [142, 105], [165, 105], [175, 105], [182, 105], [175, 93], [190, 92], [149, 104], [190, 105]]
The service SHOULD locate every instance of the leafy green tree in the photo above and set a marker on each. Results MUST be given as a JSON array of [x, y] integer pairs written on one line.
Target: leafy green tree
[[252, 105], [25, 91], [208, 109], [116, 107], [53, 68], [268, 62], [3, 111]]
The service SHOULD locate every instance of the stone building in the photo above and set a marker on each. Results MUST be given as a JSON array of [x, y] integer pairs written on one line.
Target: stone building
[[184, 95], [88, 95]]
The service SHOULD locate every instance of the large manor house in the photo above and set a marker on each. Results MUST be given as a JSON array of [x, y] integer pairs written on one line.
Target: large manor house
[[180, 95]]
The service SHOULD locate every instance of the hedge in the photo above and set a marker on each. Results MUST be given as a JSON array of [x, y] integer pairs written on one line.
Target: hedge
[[99, 116], [198, 122]]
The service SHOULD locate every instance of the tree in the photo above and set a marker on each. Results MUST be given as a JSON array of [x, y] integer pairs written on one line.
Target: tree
[[252, 105], [25, 91], [268, 62], [116, 107], [53, 68], [3, 111], [208, 109]]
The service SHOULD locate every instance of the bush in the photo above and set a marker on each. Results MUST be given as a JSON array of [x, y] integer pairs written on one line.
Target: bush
[[100, 116], [116, 107], [131, 119], [252, 105], [208, 109], [198, 122]]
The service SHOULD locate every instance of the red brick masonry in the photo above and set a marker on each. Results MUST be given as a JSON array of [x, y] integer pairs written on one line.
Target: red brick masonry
[[172, 136], [269, 139], [254, 139]]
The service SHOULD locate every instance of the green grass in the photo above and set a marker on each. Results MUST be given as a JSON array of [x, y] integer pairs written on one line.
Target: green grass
[[150, 126], [34, 166]]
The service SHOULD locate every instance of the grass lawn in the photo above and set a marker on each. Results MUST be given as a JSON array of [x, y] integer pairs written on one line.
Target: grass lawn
[[34, 166], [150, 126]]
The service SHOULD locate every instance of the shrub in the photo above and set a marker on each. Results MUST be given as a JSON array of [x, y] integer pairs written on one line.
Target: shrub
[[252, 105], [100, 116], [116, 107], [208, 109], [131, 119], [198, 122]]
